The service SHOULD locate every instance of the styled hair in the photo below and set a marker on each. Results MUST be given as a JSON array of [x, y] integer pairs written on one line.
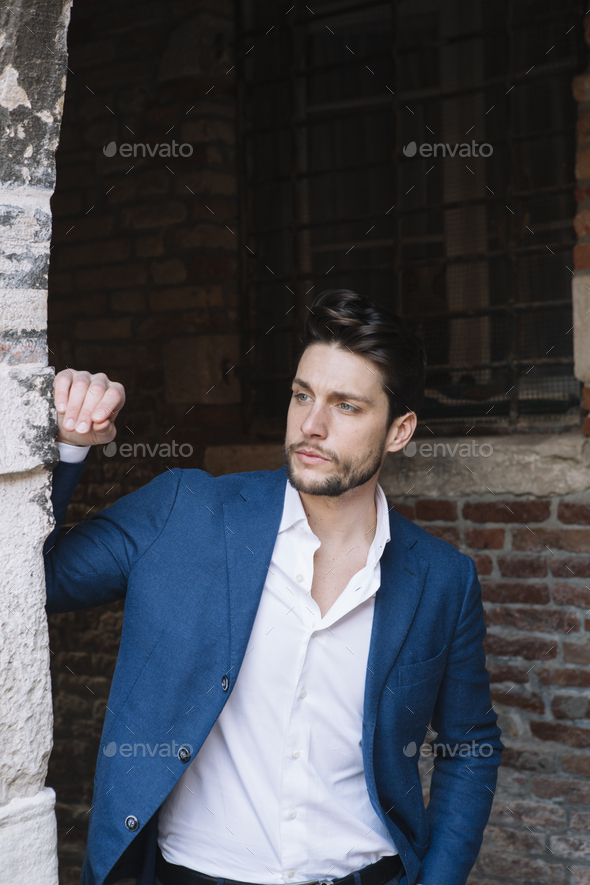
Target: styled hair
[[355, 323]]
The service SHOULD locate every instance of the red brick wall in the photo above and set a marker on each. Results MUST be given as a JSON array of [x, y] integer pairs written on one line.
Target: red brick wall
[[533, 559]]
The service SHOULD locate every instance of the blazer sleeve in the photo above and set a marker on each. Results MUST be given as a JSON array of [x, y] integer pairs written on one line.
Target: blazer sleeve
[[464, 780], [89, 564]]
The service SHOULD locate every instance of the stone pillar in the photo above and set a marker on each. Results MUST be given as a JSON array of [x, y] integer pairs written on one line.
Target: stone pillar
[[581, 280], [33, 65]]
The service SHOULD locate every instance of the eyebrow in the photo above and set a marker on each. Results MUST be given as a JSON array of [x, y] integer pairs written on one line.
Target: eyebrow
[[339, 394]]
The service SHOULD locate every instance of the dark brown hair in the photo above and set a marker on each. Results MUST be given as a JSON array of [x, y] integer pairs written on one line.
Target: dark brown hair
[[355, 323]]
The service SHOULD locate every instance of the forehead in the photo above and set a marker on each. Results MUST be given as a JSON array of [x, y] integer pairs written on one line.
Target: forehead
[[326, 367]]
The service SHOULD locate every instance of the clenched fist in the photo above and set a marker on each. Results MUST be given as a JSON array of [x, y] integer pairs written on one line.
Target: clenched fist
[[87, 406]]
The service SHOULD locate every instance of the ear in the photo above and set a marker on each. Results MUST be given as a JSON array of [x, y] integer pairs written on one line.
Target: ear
[[401, 432]]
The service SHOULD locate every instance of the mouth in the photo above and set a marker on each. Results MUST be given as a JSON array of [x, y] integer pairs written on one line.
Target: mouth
[[307, 457]]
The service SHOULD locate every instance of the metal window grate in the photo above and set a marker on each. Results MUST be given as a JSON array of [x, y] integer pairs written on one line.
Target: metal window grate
[[474, 251]]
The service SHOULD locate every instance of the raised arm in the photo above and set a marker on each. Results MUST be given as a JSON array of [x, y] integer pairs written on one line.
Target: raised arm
[[88, 564]]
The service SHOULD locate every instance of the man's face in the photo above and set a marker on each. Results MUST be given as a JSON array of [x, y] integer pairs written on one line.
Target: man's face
[[337, 433]]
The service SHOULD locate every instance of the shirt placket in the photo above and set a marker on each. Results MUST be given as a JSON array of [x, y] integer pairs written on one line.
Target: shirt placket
[[296, 768]]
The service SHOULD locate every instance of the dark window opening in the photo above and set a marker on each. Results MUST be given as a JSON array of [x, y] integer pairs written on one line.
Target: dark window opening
[[475, 251]]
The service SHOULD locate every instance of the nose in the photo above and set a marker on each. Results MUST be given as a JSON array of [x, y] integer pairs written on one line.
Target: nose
[[315, 423]]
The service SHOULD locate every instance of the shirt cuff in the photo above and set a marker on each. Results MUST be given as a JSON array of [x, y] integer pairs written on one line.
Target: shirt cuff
[[72, 454]]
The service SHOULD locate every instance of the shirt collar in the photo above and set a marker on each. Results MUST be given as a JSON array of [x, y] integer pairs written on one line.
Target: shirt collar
[[293, 512]]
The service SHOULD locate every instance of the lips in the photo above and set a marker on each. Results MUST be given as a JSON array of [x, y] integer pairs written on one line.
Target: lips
[[309, 457]]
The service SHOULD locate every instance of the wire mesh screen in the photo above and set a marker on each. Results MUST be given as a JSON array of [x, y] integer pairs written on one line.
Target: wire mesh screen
[[420, 152]]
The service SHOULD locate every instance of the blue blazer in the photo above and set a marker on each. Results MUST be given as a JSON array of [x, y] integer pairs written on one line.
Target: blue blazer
[[189, 554]]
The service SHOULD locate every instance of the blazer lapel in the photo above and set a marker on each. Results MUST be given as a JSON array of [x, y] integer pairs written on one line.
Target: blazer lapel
[[403, 574], [251, 525]]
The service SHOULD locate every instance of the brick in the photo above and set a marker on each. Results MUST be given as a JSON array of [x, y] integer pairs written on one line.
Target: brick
[[128, 300], [575, 791], [169, 271], [436, 509], [564, 676], [484, 539], [570, 567], [586, 426], [502, 672], [570, 706], [573, 513], [91, 227], [514, 565], [579, 820], [149, 246], [531, 814], [586, 393], [568, 594], [113, 276], [565, 734], [577, 652], [483, 563], [84, 254], [507, 839], [153, 215], [103, 329], [208, 131], [206, 182], [446, 533], [520, 869], [186, 298], [507, 511], [213, 268], [582, 219], [582, 250], [572, 540], [582, 172], [528, 647], [571, 847], [540, 620], [533, 703], [515, 591], [206, 236], [403, 509], [529, 760]]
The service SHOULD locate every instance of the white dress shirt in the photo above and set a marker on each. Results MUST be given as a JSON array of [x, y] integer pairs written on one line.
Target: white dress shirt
[[277, 792], [71, 454]]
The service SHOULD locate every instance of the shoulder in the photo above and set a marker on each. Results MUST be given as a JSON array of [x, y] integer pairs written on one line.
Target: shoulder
[[229, 485]]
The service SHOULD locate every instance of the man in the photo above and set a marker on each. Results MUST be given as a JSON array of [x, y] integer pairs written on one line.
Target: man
[[289, 638]]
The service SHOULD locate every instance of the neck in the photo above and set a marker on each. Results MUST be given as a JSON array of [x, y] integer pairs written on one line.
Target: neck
[[350, 518]]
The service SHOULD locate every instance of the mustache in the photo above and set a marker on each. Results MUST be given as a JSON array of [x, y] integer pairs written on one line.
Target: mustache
[[315, 449]]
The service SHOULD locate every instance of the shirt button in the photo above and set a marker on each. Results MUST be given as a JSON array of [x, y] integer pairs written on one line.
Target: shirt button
[[303, 694], [299, 578], [290, 874], [315, 633], [292, 814], [296, 754]]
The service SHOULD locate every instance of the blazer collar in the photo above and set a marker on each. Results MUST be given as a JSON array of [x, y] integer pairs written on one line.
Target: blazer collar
[[252, 520]]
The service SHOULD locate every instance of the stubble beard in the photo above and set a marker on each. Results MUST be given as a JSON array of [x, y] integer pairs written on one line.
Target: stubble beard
[[349, 472]]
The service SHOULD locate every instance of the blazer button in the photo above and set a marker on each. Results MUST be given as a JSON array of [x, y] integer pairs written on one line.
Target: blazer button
[[225, 683], [131, 822], [184, 754]]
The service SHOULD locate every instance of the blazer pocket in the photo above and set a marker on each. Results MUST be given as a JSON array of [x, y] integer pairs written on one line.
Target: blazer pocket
[[408, 674]]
